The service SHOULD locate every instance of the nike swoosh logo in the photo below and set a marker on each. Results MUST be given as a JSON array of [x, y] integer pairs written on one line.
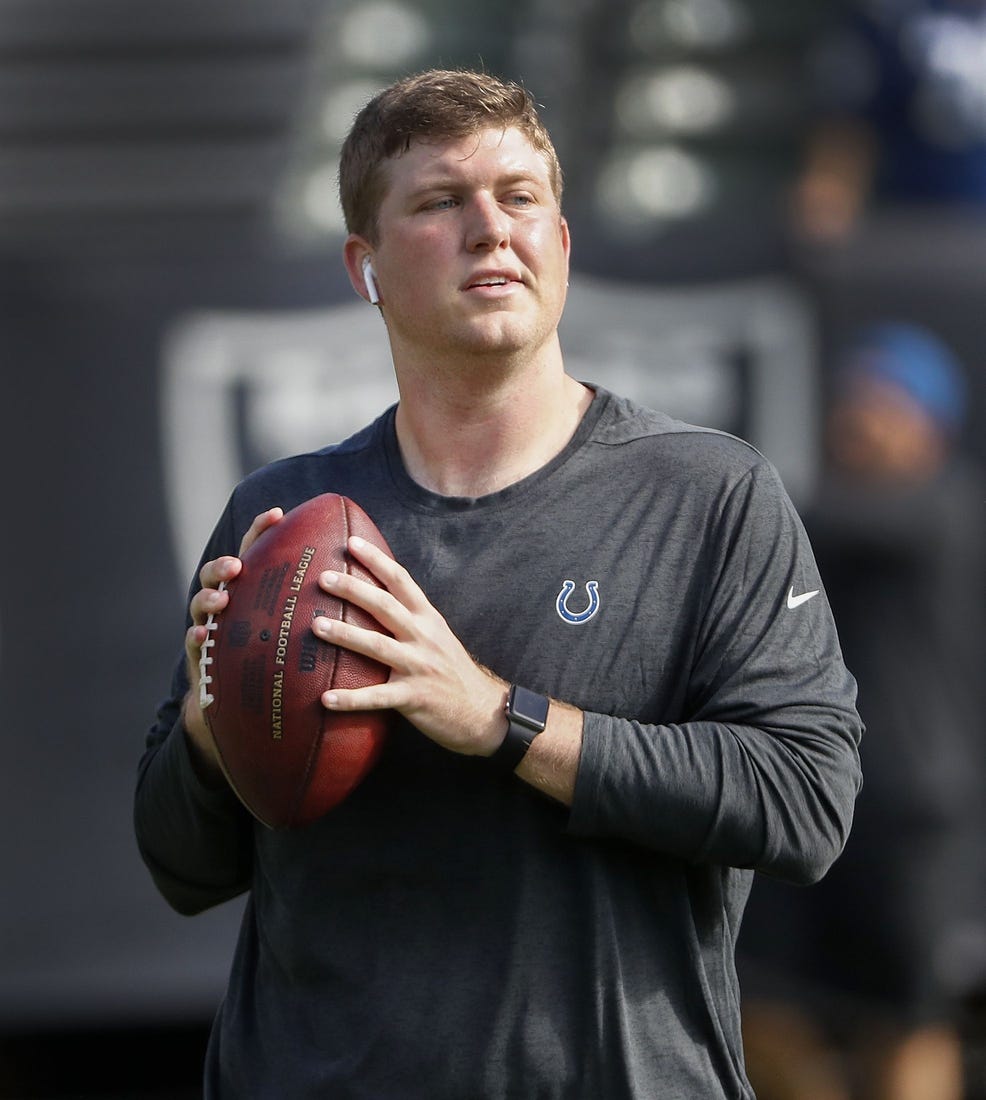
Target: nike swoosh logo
[[796, 601]]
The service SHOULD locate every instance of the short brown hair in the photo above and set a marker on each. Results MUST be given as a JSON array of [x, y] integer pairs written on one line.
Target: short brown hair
[[440, 103]]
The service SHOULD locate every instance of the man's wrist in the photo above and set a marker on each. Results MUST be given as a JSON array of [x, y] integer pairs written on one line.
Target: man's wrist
[[527, 715], [201, 747]]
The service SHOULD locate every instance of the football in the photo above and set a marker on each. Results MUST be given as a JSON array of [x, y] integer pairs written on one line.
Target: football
[[262, 671]]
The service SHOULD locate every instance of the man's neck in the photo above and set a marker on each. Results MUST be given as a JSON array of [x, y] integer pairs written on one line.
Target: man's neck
[[480, 436]]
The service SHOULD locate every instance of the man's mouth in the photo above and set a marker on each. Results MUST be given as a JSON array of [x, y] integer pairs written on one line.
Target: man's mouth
[[492, 278]]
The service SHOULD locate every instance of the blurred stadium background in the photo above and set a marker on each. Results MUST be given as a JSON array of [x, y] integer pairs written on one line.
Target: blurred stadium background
[[173, 311]]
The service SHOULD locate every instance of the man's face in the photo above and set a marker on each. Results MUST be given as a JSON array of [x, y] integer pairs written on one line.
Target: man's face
[[878, 432], [472, 253]]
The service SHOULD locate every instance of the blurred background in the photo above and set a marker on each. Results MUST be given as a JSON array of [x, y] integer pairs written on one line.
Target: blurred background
[[752, 185]]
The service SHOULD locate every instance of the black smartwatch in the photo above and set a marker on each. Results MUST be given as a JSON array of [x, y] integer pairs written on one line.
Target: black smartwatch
[[527, 715]]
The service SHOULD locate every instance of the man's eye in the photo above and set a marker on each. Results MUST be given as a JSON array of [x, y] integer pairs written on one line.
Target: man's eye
[[445, 203], [520, 200]]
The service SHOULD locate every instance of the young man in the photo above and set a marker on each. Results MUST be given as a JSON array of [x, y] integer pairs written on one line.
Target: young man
[[482, 918]]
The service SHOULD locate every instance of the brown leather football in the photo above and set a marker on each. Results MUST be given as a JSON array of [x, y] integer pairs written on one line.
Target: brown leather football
[[263, 671]]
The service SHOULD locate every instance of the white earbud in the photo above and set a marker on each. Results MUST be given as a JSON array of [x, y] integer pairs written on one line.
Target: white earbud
[[370, 280]]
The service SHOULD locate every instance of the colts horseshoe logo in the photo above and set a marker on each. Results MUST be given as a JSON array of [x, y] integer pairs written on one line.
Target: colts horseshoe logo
[[561, 604]]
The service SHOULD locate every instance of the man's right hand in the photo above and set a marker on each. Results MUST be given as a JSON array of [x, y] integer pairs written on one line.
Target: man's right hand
[[211, 599]]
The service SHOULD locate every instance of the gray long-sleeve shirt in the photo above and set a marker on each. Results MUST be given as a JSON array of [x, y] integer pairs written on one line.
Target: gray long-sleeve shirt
[[448, 932]]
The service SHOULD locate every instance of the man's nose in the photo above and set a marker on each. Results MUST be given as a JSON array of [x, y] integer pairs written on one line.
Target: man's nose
[[487, 225]]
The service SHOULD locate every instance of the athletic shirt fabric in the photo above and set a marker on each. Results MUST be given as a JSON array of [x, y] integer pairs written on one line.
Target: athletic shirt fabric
[[448, 932]]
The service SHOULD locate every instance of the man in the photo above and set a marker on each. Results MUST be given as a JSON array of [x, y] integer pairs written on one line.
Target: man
[[483, 917], [871, 969]]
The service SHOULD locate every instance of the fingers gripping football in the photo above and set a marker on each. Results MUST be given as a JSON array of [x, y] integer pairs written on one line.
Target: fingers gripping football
[[212, 598], [434, 682]]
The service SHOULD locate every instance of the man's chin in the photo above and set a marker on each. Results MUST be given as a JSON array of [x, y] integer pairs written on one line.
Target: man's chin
[[501, 335]]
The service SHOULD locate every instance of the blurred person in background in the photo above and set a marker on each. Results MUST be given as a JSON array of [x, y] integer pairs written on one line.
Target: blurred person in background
[[854, 987], [901, 113]]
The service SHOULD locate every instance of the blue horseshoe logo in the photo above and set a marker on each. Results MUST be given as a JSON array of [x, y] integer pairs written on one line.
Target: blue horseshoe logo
[[561, 604]]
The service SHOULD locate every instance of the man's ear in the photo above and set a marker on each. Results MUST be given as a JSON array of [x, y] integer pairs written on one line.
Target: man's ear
[[566, 241], [356, 252]]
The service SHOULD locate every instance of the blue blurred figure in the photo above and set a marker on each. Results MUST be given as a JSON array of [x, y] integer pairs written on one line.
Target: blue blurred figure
[[901, 96], [854, 987]]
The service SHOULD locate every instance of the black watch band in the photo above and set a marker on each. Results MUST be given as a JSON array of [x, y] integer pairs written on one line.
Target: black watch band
[[527, 715]]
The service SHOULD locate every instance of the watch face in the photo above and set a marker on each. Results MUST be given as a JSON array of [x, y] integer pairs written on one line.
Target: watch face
[[528, 707]]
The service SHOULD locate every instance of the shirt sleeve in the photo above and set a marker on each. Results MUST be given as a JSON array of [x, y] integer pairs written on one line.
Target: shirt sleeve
[[196, 839], [762, 769]]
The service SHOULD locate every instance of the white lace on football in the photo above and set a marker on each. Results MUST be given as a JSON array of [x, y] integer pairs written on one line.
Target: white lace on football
[[205, 696]]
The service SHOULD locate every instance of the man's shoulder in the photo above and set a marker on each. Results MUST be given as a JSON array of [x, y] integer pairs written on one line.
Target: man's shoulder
[[626, 422], [289, 480]]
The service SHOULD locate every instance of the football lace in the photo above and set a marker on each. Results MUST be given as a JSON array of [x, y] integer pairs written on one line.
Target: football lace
[[206, 698]]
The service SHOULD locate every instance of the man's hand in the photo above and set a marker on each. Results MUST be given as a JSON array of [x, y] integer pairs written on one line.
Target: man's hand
[[434, 682], [211, 598]]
